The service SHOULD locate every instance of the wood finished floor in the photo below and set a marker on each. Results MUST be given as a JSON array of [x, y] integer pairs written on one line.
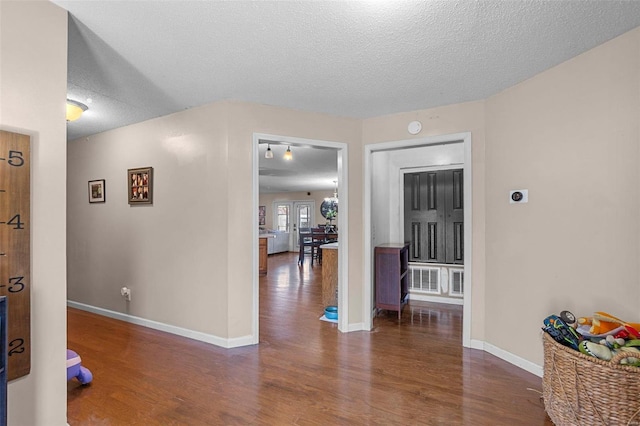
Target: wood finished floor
[[303, 372]]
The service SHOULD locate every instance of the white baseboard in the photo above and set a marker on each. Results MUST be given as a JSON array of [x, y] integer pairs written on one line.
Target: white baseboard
[[358, 326], [191, 334], [436, 299], [508, 356], [477, 344]]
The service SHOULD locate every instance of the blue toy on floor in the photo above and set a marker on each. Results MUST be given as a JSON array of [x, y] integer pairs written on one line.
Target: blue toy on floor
[[75, 369]]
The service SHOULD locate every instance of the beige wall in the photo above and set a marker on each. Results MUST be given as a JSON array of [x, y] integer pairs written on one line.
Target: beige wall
[[33, 76], [185, 257], [172, 255], [570, 136], [246, 119], [466, 117]]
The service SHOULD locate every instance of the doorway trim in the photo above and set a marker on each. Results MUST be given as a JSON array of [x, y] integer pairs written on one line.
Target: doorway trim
[[343, 241], [369, 149]]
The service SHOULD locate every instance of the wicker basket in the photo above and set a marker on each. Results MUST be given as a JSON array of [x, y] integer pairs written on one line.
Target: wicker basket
[[581, 390]]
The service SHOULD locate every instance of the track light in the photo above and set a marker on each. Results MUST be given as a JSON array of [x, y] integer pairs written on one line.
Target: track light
[[288, 155]]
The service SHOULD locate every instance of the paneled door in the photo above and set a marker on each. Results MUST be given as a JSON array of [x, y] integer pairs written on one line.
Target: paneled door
[[434, 216], [304, 218]]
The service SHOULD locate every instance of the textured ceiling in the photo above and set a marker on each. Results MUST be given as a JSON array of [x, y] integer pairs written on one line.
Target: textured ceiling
[[142, 59]]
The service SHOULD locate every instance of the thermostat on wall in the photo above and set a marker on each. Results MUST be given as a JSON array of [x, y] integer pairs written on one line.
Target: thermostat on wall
[[519, 196]]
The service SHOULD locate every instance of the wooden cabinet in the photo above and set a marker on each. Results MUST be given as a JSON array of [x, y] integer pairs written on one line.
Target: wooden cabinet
[[392, 279], [262, 256], [329, 274]]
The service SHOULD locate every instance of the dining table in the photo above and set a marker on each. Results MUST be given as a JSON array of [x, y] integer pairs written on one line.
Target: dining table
[[310, 242]]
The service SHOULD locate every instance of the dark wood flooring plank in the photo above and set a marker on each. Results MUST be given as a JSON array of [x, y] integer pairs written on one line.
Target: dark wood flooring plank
[[303, 372]]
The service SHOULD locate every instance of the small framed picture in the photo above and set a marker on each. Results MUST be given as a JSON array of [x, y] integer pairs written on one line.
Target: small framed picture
[[140, 185], [262, 212], [96, 191]]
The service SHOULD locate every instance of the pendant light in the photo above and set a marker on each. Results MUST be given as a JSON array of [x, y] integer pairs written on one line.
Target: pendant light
[[269, 153], [333, 199], [288, 155]]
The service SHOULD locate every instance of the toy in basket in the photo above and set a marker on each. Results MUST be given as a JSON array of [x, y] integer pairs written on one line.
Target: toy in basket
[[581, 389]]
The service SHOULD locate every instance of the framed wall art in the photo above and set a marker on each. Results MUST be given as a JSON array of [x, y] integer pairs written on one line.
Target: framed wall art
[[96, 191], [262, 215], [140, 185]]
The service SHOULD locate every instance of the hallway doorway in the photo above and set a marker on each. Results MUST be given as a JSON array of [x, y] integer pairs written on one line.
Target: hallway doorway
[[342, 183], [384, 206]]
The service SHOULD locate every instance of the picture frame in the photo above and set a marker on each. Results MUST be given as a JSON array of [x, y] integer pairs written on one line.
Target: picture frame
[[262, 215], [97, 191], [140, 185]]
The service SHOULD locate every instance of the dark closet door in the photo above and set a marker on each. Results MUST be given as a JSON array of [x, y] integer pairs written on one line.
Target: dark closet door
[[454, 219], [434, 216]]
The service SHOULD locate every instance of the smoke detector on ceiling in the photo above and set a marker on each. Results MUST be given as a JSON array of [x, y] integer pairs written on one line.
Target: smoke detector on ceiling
[[414, 127]]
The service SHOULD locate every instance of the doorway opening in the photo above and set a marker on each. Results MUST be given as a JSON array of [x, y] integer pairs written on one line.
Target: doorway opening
[[288, 217], [384, 162], [304, 218], [342, 160]]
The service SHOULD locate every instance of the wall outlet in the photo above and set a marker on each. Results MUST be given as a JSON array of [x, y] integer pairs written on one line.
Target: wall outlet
[[126, 293]]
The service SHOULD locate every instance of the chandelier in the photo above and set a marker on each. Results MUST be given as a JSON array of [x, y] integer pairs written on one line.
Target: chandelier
[[334, 199]]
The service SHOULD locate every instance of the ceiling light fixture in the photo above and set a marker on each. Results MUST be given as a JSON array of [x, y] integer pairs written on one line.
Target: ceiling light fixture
[[333, 199], [269, 153], [288, 155], [75, 109]]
